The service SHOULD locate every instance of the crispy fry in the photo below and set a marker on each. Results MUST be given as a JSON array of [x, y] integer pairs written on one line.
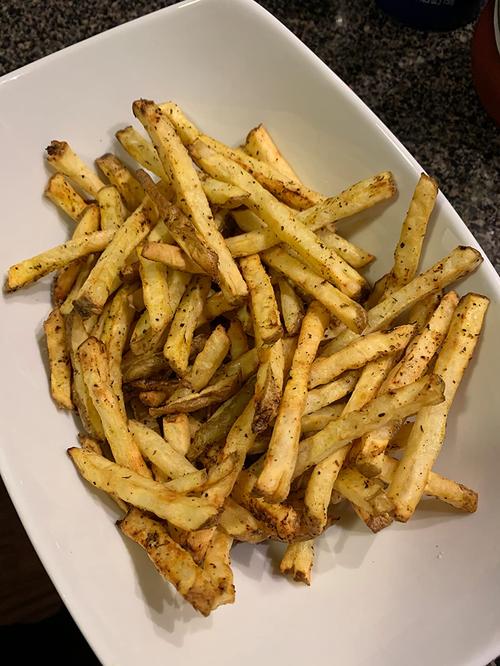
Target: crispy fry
[[62, 158], [159, 451], [111, 207], [194, 482], [177, 432], [190, 195], [172, 256], [337, 303], [321, 418], [209, 359], [331, 392], [357, 354], [354, 255], [366, 494], [292, 309], [276, 475], [269, 385], [409, 246], [298, 561], [98, 286], [397, 404], [282, 222], [171, 560], [242, 525], [143, 366], [63, 195], [264, 308], [59, 359], [33, 269], [223, 194], [154, 280], [118, 175], [186, 400], [427, 435], [237, 339], [259, 144]]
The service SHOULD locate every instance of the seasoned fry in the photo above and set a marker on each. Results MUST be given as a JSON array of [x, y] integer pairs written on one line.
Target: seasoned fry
[[223, 194], [171, 560], [365, 493], [397, 404], [269, 385], [259, 144], [191, 197], [154, 280], [95, 369], [63, 195], [336, 302], [59, 360], [354, 255], [118, 175], [111, 208], [177, 432], [242, 525], [279, 464], [264, 308], [194, 482], [282, 222], [427, 435], [298, 561], [321, 418], [33, 269], [172, 256], [143, 366], [62, 158], [159, 451], [237, 339], [357, 354], [178, 345], [409, 246], [292, 309], [331, 392], [209, 359]]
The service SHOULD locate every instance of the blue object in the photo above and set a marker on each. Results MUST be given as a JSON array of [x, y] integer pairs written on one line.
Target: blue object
[[432, 14]]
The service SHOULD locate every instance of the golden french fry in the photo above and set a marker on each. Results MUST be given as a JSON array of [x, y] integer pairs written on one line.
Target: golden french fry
[[259, 144], [321, 418], [427, 435], [269, 385], [171, 560], [159, 451], [59, 359], [337, 303], [191, 197], [279, 464], [374, 523], [61, 157], [359, 352], [264, 308], [194, 482], [143, 366], [336, 390], [292, 309], [154, 280], [282, 222], [354, 255], [365, 493], [111, 207], [298, 561], [177, 432], [30, 270], [186, 400], [223, 194], [238, 339], [409, 246], [118, 175], [172, 256], [397, 404], [242, 525], [209, 359], [63, 195]]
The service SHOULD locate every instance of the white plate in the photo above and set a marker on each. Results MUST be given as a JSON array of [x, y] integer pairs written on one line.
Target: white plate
[[425, 593]]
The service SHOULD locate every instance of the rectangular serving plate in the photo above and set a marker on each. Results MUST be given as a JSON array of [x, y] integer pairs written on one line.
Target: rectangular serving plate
[[423, 593]]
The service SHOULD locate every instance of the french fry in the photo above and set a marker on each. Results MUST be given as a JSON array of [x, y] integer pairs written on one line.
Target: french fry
[[194, 482], [242, 525], [298, 561], [33, 269], [354, 255], [374, 523], [365, 493], [171, 560], [98, 286], [282, 222], [186, 400], [359, 352], [177, 432], [337, 303], [409, 246], [397, 404], [62, 158], [118, 175], [143, 366], [141, 413], [59, 359], [178, 344], [64, 196], [142, 151], [259, 144], [331, 392], [172, 256], [321, 418], [187, 513], [159, 451], [427, 435], [279, 464], [111, 207], [461, 261], [264, 308], [223, 194], [154, 280], [453, 493], [291, 192], [209, 359], [191, 197], [412, 366], [269, 385], [422, 311], [95, 370], [237, 339], [292, 309]]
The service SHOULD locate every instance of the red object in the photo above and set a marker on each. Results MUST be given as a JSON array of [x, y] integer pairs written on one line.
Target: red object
[[486, 62]]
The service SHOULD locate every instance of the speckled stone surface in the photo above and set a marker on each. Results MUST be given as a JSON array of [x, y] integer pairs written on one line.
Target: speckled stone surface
[[418, 83]]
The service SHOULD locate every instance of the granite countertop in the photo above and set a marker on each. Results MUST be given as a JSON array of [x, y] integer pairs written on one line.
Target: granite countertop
[[418, 83]]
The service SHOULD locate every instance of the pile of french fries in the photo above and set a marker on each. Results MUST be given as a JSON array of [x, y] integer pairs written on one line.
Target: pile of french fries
[[235, 375]]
